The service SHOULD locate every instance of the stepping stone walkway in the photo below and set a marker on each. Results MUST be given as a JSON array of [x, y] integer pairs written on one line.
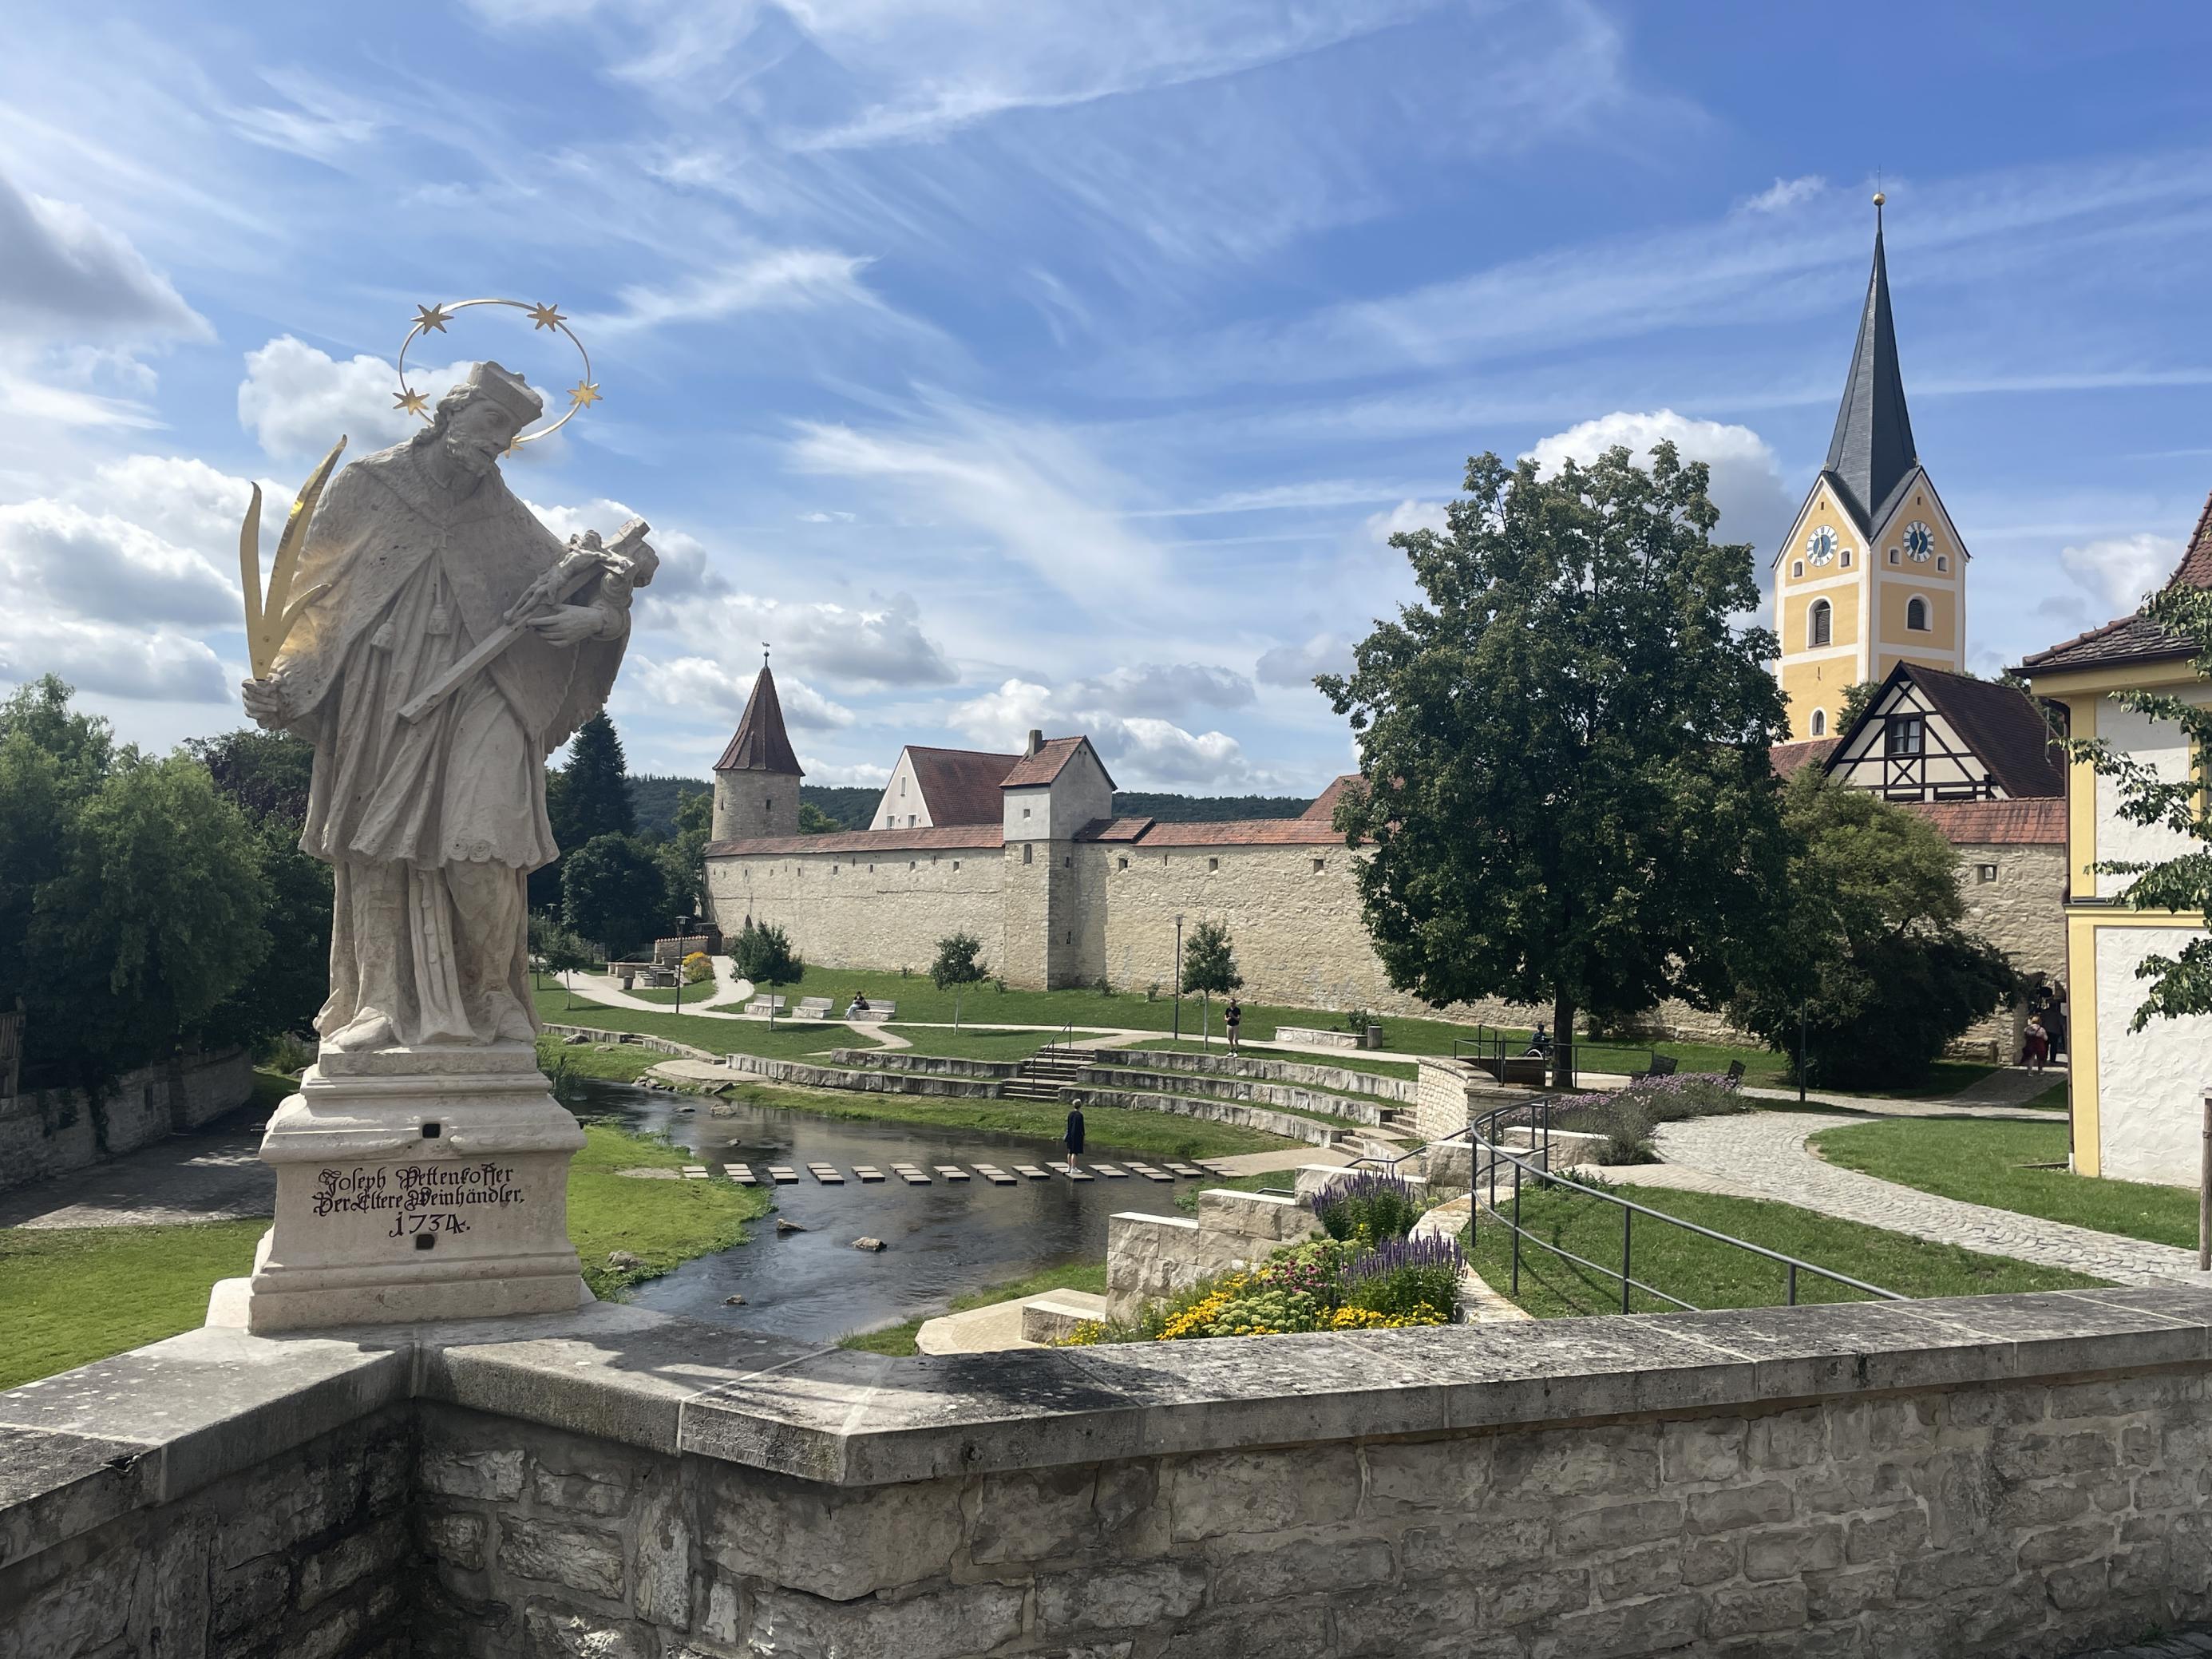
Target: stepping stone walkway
[[740, 1173], [826, 1174], [995, 1175], [1185, 1169], [908, 1173], [1110, 1172], [1151, 1173], [867, 1172], [782, 1178], [1764, 1154], [953, 1172], [695, 1172], [1032, 1172]]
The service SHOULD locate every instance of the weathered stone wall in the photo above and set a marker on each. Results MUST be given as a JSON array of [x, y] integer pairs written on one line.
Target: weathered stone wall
[[882, 911], [1337, 1080], [1152, 1257], [308, 1553], [2014, 1476], [51, 1132], [2021, 913]]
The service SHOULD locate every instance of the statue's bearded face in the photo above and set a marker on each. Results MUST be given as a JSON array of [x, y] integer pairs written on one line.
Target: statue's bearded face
[[477, 434]]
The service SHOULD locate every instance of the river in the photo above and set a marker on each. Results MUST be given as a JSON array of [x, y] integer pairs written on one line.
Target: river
[[942, 1239]]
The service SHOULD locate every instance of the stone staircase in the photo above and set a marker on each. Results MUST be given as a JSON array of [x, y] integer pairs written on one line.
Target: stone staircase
[[1045, 1073]]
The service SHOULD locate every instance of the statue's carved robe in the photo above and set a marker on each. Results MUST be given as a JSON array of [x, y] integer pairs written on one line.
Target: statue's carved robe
[[432, 828]]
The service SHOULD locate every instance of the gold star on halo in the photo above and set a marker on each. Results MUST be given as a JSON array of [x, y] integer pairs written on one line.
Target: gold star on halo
[[544, 317], [584, 394], [429, 317], [413, 402]]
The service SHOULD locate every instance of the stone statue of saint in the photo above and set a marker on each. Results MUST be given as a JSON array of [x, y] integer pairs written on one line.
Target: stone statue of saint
[[432, 824]]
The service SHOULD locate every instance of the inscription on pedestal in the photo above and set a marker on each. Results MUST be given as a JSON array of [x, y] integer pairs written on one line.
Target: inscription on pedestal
[[427, 1199]]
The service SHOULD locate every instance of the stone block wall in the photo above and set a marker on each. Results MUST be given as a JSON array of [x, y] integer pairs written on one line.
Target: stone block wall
[[306, 1552], [879, 910], [1150, 1257], [1986, 1478], [1337, 1080], [50, 1132]]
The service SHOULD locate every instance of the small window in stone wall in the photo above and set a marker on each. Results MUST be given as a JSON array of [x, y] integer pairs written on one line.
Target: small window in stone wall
[[1319, 865], [833, 869], [1213, 864], [914, 864], [1026, 848], [956, 864], [1124, 864], [1985, 872], [1067, 862]]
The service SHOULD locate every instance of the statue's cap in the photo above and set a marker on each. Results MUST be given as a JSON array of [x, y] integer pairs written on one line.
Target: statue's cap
[[510, 392]]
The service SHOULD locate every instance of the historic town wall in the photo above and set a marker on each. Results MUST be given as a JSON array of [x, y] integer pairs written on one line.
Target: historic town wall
[[49, 1132], [873, 910], [2021, 913], [2012, 1476]]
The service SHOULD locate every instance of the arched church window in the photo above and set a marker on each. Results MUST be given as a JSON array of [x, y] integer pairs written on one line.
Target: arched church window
[[1916, 614], [1819, 722], [1820, 624]]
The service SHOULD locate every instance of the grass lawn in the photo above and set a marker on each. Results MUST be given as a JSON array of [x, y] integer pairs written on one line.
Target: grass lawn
[[1152, 1134], [721, 1036], [1709, 1274], [899, 1338], [1280, 1180], [71, 1295], [1349, 1061], [666, 1223], [1982, 1163], [979, 1041], [2053, 1099], [269, 1089]]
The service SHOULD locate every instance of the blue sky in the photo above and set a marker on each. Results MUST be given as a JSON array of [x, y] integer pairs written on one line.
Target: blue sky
[[1014, 364]]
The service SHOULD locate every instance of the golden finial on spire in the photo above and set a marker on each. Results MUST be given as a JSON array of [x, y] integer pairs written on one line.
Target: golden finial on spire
[[1879, 199]]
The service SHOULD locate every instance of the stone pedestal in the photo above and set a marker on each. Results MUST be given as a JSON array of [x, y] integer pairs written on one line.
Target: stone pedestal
[[426, 1183]]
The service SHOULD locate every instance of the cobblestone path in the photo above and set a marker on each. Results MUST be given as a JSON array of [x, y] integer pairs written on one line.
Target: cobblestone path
[[2185, 1644], [1764, 1153]]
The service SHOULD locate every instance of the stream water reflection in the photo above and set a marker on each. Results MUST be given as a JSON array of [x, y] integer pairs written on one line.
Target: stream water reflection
[[944, 1239]]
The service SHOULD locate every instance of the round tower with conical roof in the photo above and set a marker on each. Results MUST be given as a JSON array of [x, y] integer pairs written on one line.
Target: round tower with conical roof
[[756, 779]]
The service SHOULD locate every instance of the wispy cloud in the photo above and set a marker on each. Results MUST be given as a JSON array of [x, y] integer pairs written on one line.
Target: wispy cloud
[[788, 279]]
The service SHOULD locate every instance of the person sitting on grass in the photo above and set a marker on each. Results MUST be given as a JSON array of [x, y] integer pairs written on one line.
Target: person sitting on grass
[[1074, 1137]]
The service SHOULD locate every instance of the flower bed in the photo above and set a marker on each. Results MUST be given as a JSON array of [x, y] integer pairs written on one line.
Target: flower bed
[[1325, 1284], [1367, 1209], [1627, 1117]]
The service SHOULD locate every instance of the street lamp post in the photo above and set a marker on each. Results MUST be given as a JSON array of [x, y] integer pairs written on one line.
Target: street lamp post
[[684, 925], [1178, 988]]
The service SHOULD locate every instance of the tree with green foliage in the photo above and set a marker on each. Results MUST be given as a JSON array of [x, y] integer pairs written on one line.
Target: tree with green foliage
[[761, 952], [958, 965], [588, 796], [1856, 696], [813, 821], [614, 893], [1866, 955], [268, 774], [684, 855], [1209, 964], [1568, 800], [2172, 799], [560, 952]]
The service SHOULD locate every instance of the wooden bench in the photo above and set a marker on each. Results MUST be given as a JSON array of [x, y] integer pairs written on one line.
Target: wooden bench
[[1662, 1066], [874, 1012], [1734, 1081]]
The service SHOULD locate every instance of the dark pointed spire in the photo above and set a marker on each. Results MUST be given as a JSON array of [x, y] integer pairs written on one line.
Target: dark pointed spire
[[1873, 450], [761, 743]]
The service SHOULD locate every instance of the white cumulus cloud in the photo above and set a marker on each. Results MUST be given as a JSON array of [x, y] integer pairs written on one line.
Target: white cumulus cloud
[[1296, 665], [2121, 571], [1138, 750], [1786, 193], [66, 277], [881, 644], [701, 685], [1747, 482], [297, 400]]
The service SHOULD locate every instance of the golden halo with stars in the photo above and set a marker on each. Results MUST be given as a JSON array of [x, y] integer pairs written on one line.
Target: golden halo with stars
[[428, 319]]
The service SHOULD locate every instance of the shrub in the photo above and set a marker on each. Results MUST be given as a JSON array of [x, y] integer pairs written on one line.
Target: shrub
[[1324, 1284], [696, 967], [1369, 1208]]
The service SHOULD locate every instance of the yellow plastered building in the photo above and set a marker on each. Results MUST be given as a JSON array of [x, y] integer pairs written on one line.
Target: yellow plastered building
[[1872, 572], [2135, 1095]]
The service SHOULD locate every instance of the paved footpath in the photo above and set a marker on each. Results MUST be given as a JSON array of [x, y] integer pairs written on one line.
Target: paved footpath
[[1764, 1155]]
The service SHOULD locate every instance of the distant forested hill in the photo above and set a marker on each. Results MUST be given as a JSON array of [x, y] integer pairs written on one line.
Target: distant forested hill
[[1207, 809], [656, 799]]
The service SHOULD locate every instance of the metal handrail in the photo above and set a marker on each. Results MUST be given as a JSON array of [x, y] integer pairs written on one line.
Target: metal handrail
[[1479, 1136]]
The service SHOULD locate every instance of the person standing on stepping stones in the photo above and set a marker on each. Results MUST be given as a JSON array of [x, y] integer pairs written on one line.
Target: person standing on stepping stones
[[1073, 1139]]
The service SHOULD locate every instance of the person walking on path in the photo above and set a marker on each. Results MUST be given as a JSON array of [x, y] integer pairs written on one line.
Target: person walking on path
[[1074, 1137], [2037, 1047], [1233, 1018]]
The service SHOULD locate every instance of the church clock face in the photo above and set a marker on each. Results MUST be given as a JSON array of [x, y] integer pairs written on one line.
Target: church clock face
[[1820, 545], [1919, 541]]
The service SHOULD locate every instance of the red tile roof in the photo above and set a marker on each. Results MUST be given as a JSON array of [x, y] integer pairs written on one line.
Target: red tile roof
[[1787, 758], [2038, 822], [1030, 770], [1243, 832], [1114, 829], [859, 843], [1324, 803], [2003, 728], [960, 785]]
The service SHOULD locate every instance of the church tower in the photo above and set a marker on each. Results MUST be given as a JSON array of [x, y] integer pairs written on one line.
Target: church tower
[[756, 779], [1872, 572]]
